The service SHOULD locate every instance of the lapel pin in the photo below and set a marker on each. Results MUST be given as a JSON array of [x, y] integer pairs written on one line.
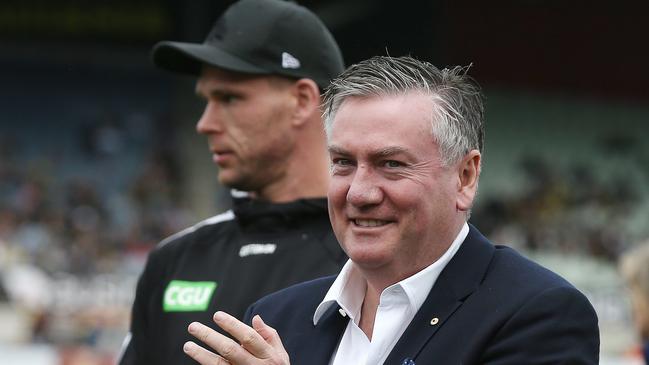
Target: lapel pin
[[434, 321], [342, 312], [408, 361]]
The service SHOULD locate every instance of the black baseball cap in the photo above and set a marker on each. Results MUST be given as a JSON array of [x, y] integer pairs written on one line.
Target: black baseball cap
[[260, 37]]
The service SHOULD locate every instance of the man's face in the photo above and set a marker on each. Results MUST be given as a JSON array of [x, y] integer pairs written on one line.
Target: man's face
[[392, 204], [246, 121]]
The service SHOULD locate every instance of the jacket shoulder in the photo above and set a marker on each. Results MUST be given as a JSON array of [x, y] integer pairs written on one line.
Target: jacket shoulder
[[215, 224], [507, 261], [544, 316], [298, 292], [296, 300]]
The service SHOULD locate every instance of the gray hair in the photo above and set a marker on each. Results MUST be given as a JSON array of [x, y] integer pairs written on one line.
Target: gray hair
[[458, 102]]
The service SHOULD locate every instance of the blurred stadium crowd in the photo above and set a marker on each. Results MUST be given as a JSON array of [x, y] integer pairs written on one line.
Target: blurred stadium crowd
[[71, 247], [570, 210]]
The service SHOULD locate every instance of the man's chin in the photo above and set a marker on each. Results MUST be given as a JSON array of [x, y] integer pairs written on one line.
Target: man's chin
[[227, 178], [235, 181], [368, 258]]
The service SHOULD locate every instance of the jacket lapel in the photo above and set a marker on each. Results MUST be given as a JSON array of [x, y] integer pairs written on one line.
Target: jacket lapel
[[457, 281], [318, 346]]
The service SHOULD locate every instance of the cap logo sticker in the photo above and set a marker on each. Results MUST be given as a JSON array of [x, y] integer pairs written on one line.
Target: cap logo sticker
[[188, 296], [288, 61]]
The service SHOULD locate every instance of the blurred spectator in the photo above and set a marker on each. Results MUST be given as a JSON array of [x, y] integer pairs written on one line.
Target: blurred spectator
[[74, 236], [634, 265], [564, 209]]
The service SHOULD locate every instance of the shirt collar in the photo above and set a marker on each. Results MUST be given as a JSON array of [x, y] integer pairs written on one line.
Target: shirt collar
[[348, 290]]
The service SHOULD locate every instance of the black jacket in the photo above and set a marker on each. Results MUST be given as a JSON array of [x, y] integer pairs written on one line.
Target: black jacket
[[226, 263]]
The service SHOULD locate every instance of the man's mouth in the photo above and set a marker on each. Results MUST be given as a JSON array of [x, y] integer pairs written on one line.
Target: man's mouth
[[220, 152], [220, 157], [369, 222]]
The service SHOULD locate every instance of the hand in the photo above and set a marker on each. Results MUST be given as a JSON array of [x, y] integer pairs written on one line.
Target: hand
[[259, 344]]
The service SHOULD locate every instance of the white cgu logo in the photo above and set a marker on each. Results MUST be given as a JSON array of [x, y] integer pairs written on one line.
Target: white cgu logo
[[188, 296]]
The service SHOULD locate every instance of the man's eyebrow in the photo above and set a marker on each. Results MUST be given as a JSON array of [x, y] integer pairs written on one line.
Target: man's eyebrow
[[206, 90], [380, 153], [198, 90], [390, 151], [337, 150]]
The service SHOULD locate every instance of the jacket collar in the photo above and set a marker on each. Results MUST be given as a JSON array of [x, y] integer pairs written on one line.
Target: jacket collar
[[318, 347], [459, 279], [261, 215]]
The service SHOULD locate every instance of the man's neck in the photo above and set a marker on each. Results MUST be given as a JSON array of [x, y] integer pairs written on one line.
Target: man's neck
[[306, 179], [368, 311], [283, 192]]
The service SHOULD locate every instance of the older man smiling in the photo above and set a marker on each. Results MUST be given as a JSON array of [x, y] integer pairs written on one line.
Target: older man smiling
[[422, 286]]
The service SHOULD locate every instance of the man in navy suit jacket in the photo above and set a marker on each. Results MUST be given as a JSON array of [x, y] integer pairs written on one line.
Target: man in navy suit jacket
[[422, 286]]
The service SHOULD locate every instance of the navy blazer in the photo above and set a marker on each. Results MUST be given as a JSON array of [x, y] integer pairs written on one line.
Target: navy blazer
[[492, 305]]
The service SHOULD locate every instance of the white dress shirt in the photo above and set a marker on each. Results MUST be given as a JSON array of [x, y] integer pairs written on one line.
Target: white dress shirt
[[398, 305]]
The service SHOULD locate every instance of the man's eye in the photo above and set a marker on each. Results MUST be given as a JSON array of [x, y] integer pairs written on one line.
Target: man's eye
[[341, 162], [392, 164], [228, 98]]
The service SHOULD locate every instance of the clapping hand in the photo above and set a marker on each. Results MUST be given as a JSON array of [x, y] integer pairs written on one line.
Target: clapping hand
[[259, 344]]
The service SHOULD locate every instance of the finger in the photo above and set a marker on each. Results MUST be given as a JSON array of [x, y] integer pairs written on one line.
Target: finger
[[247, 336], [268, 333], [203, 356], [224, 346], [271, 336]]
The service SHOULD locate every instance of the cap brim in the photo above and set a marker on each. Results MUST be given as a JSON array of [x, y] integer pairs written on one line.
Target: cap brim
[[189, 58]]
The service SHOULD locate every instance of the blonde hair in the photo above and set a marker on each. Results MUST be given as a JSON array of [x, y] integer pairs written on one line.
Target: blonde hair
[[634, 267]]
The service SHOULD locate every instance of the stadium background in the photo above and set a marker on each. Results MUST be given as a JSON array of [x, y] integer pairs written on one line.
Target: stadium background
[[99, 159]]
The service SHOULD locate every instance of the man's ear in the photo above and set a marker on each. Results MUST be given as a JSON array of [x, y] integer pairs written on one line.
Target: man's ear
[[307, 96], [468, 174]]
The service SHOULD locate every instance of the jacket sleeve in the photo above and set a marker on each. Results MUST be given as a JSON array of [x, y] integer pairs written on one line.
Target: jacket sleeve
[[557, 326], [136, 348], [250, 312]]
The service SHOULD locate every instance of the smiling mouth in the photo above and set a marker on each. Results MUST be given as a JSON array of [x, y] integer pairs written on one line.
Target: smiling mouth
[[369, 222]]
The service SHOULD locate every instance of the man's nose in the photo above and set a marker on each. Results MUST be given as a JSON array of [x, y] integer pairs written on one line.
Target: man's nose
[[364, 189], [210, 120]]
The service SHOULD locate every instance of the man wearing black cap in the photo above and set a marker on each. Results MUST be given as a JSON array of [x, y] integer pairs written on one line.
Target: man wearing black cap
[[260, 71]]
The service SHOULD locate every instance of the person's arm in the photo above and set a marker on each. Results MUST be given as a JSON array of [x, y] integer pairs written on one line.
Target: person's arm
[[558, 326], [134, 349], [259, 344]]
